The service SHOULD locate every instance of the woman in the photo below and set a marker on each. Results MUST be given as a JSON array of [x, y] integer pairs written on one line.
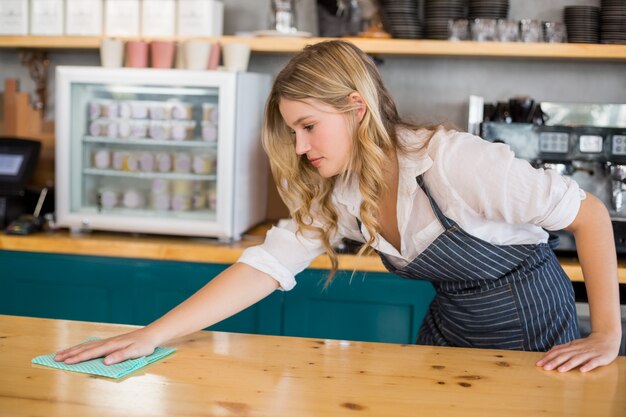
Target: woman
[[436, 204]]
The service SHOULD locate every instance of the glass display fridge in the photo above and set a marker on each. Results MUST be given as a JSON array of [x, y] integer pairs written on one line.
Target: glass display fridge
[[160, 151]]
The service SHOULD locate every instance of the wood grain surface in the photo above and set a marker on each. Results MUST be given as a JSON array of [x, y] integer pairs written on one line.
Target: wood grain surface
[[227, 374]]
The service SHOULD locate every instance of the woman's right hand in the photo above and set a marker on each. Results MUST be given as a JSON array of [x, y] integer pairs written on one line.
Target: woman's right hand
[[116, 349], [233, 290]]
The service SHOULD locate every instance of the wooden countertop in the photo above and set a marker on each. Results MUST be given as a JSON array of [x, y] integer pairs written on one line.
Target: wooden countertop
[[124, 245], [164, 248], [227, 374]]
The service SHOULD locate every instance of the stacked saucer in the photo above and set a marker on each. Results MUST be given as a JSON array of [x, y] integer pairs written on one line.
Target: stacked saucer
[[401, 18], [613, 21], [583, 24], [436, 16], [488, 9]]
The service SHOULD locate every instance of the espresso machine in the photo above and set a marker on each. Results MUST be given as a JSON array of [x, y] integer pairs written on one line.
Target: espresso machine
[[584, 141]]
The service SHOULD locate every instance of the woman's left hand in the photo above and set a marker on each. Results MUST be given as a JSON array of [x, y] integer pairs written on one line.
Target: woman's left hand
[[598, 349]]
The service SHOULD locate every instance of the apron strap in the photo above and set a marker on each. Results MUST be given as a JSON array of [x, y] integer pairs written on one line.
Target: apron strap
[[553, 240], [445, 222]]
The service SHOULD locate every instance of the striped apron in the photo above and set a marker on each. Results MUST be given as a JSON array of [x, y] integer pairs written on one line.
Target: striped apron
[[492, 296]]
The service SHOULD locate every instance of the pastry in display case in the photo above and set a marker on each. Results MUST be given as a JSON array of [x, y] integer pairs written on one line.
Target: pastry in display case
[[160, 151]]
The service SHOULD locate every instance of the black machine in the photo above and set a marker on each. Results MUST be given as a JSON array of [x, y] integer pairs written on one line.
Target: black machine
[[18, 159], [586, 142]]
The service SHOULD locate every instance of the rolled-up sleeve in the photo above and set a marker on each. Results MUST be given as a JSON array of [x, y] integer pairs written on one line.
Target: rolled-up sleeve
[[501, 187], [283, 254]]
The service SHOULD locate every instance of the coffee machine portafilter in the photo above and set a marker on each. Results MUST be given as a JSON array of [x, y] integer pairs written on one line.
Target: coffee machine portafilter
[[618, 185]]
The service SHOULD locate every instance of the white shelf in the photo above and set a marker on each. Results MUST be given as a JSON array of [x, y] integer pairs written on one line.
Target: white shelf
[[207, 214], [196, 143], [148, 175]]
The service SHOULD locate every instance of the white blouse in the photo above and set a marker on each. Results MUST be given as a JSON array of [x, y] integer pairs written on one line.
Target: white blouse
[[480, 185]]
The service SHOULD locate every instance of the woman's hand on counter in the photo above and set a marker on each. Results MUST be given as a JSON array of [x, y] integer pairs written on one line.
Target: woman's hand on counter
[[233, 290], [116, 349], [598, 349]]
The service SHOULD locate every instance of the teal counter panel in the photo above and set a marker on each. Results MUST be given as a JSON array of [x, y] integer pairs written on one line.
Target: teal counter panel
[[63, 286], [371, 307]]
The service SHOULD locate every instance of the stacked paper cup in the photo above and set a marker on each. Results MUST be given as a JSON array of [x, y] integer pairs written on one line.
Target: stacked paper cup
[[160, 194], [182, 193]]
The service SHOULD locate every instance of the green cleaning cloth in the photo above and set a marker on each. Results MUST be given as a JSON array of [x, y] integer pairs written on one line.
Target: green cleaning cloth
[[97, 366]]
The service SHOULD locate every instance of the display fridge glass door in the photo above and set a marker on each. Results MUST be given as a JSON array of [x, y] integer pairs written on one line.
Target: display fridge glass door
[[143, 151]]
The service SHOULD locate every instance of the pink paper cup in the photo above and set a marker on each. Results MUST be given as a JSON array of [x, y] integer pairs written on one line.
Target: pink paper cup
[[136, 54], [162, 54]]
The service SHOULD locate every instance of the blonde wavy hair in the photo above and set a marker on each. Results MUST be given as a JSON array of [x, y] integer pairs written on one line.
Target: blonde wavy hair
[[330, 72]]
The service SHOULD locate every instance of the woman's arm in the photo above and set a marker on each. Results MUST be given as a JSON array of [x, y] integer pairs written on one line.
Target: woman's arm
[[596, 251], [233, 290]]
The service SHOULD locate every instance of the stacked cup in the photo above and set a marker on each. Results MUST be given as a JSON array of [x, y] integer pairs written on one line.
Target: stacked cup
[[114, 53]]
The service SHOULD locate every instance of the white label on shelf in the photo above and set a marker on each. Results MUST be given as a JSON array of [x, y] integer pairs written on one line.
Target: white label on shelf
[[121, 18], [158, 18], [200, 18], [83, 17], [13, 17], [46, 17]]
